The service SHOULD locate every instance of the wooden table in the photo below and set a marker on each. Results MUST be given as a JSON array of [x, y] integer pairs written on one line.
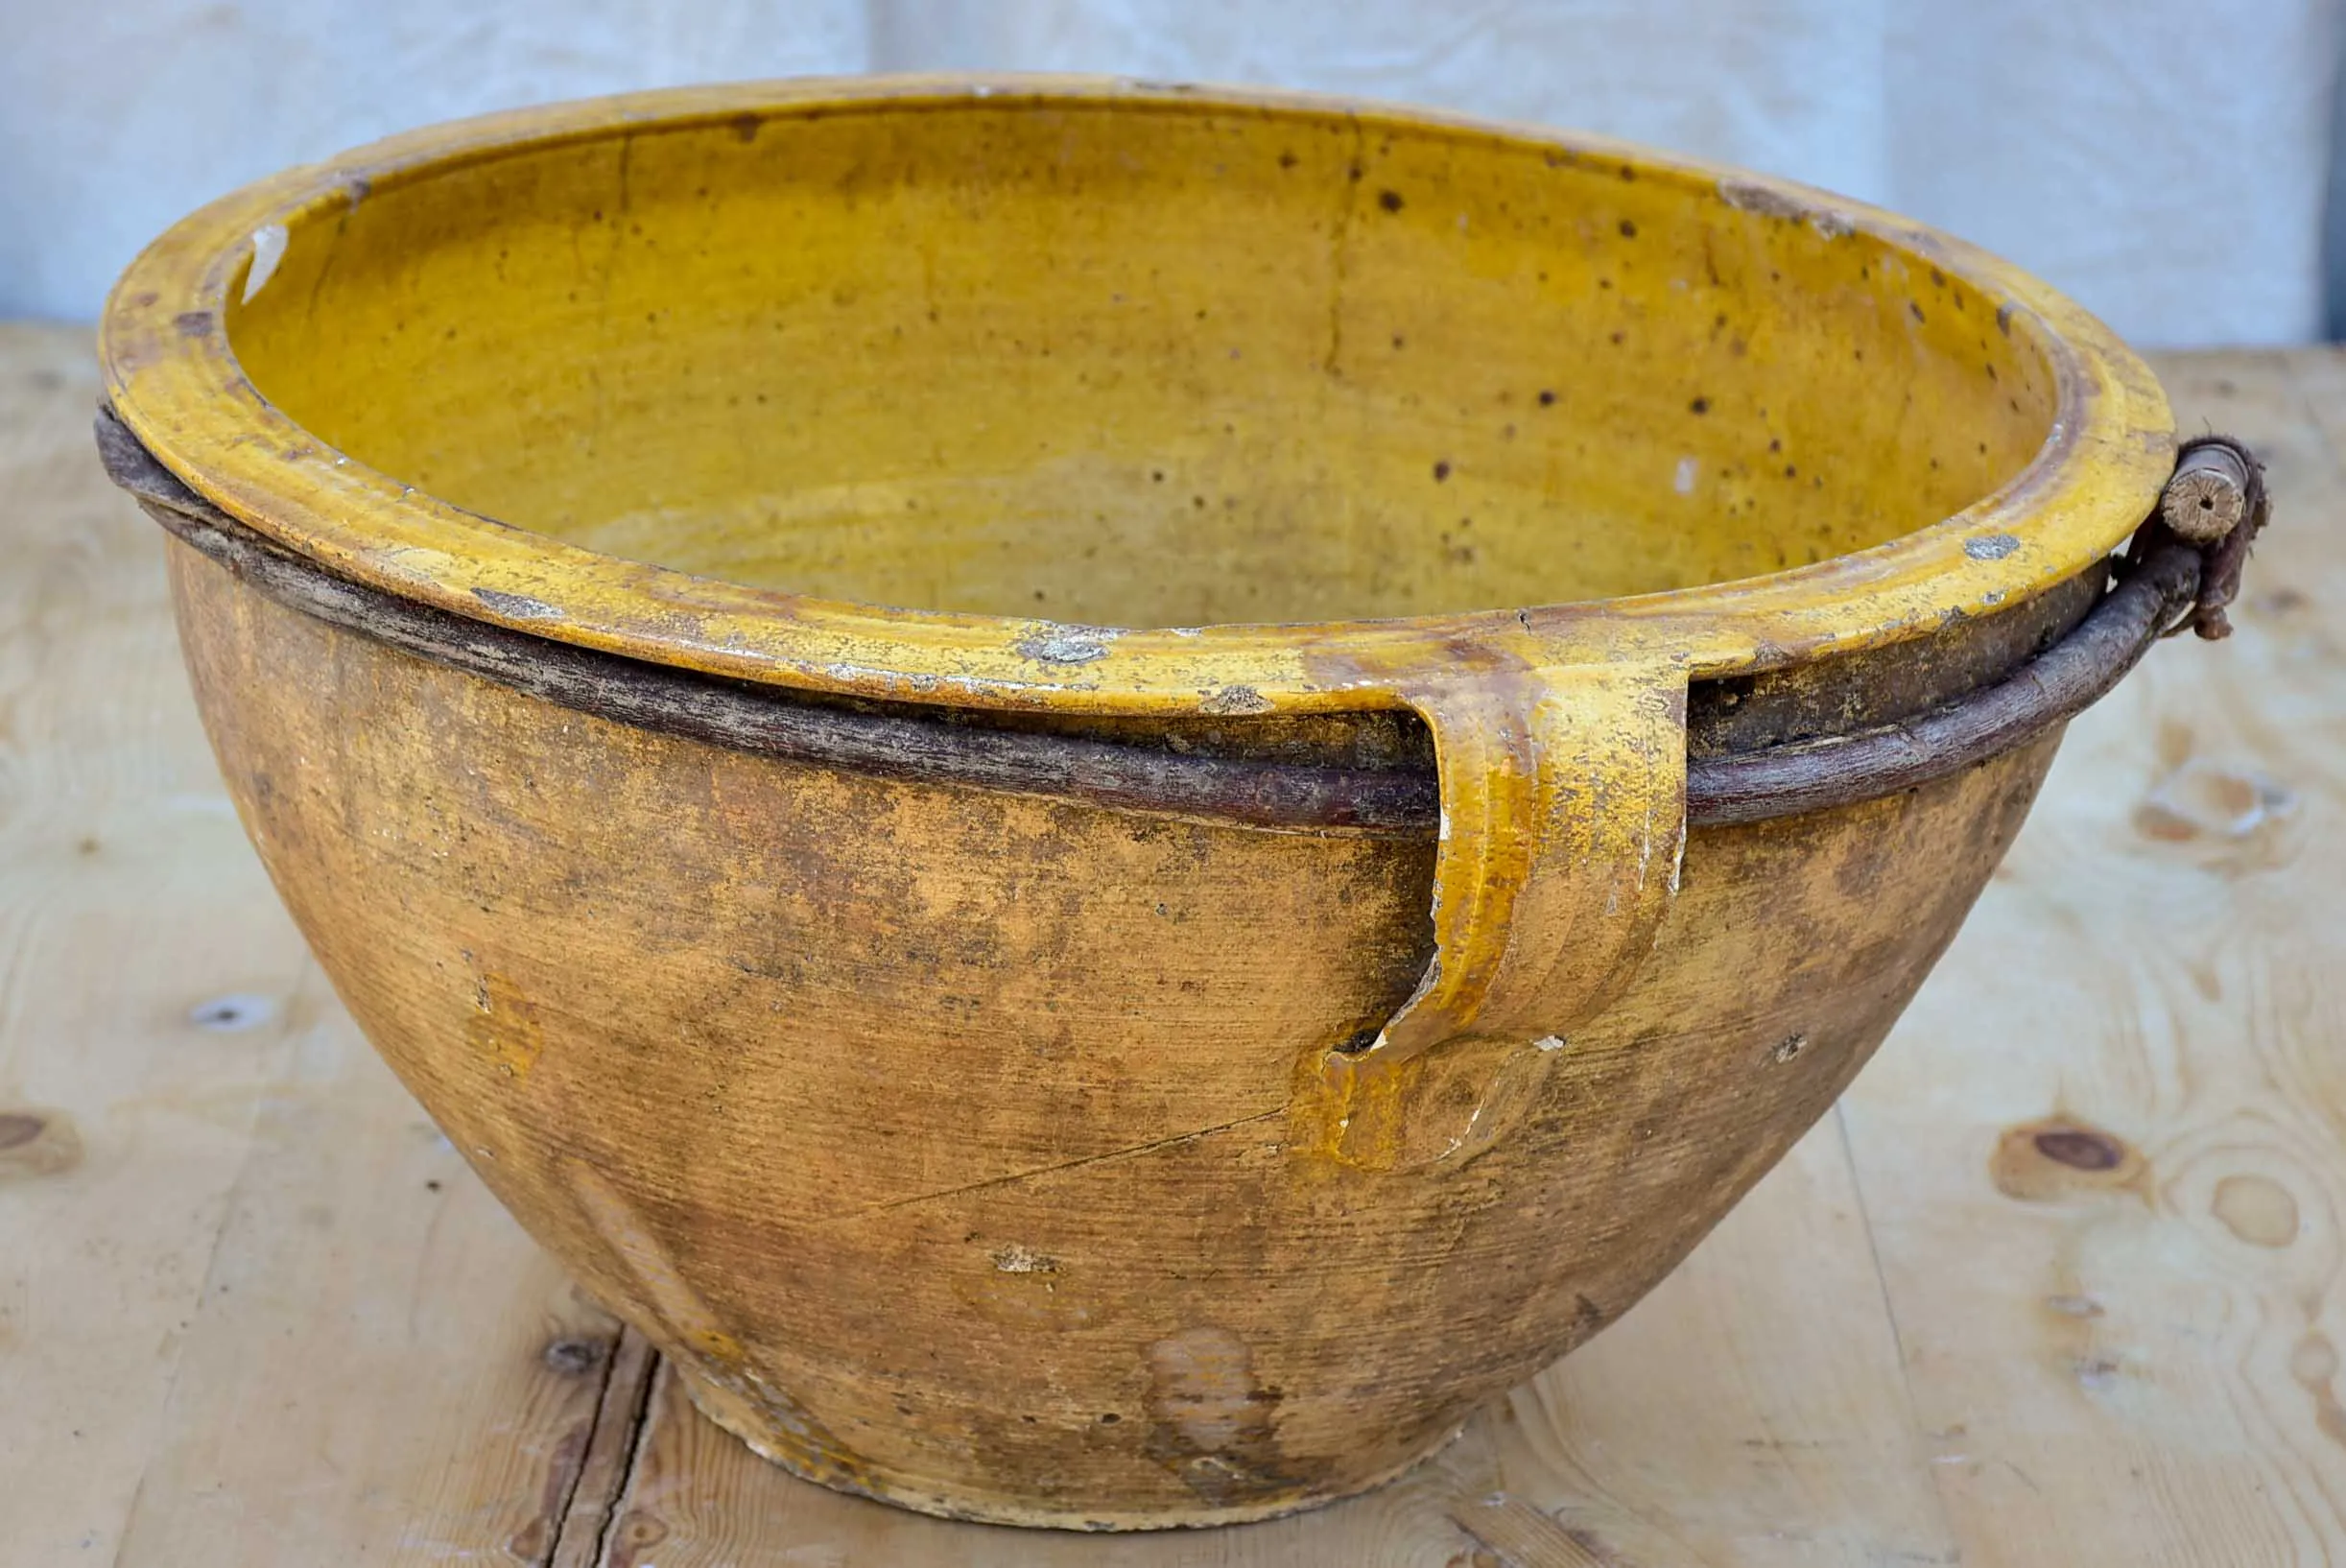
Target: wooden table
[[254, 1310]]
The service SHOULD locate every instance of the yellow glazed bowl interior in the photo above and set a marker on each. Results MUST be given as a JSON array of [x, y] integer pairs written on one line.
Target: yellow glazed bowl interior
[[1029, 364], [1085, 352]]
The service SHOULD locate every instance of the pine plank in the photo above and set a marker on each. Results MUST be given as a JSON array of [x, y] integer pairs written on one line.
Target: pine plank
[[252, 1309], [129, 906], [2102, 1157], [384, 1367]]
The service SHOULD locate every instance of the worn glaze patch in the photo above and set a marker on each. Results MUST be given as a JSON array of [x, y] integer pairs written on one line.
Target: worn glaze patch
[[1211, 1422], [1065, 644], [503, 1025]]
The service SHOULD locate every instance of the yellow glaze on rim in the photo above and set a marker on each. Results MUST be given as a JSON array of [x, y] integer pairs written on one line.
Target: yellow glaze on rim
[[178, 385]]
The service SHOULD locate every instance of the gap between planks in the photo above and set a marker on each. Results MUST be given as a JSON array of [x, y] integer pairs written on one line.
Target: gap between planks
[[613, 1446]]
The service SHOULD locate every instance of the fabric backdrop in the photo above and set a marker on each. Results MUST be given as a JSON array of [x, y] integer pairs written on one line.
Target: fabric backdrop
[[2167, 161]]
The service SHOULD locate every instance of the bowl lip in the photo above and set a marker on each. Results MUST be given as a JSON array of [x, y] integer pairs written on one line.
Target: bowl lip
[[176, 384]]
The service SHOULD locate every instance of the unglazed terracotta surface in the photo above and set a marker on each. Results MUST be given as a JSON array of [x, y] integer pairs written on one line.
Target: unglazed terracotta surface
[[969, 1150]]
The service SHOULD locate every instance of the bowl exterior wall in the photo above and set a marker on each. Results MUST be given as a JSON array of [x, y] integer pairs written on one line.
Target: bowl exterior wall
[[953, 1143]]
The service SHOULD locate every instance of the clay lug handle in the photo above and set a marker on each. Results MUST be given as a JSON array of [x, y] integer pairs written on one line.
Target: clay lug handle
[[1563, 815], [1563, 794]]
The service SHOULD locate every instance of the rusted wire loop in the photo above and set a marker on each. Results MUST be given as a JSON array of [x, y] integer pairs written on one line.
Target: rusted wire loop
[[2161, 587]]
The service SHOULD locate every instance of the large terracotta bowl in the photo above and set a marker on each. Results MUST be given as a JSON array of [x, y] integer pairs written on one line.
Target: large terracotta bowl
[[1016, 758]]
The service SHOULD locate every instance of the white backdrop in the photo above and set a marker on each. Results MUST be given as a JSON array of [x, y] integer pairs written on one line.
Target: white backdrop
[[2165, 160]]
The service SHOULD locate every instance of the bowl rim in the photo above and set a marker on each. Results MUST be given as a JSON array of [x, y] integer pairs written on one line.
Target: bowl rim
[[176, 384]]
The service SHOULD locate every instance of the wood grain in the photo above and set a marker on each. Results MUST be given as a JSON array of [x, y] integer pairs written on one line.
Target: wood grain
[[2102, 1164], [128, 902], [367, 1276], [2103, 1157], [611, 1453], [252, 1309]]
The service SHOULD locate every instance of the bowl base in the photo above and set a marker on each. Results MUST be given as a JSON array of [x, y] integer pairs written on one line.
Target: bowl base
[[739, 1417]]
